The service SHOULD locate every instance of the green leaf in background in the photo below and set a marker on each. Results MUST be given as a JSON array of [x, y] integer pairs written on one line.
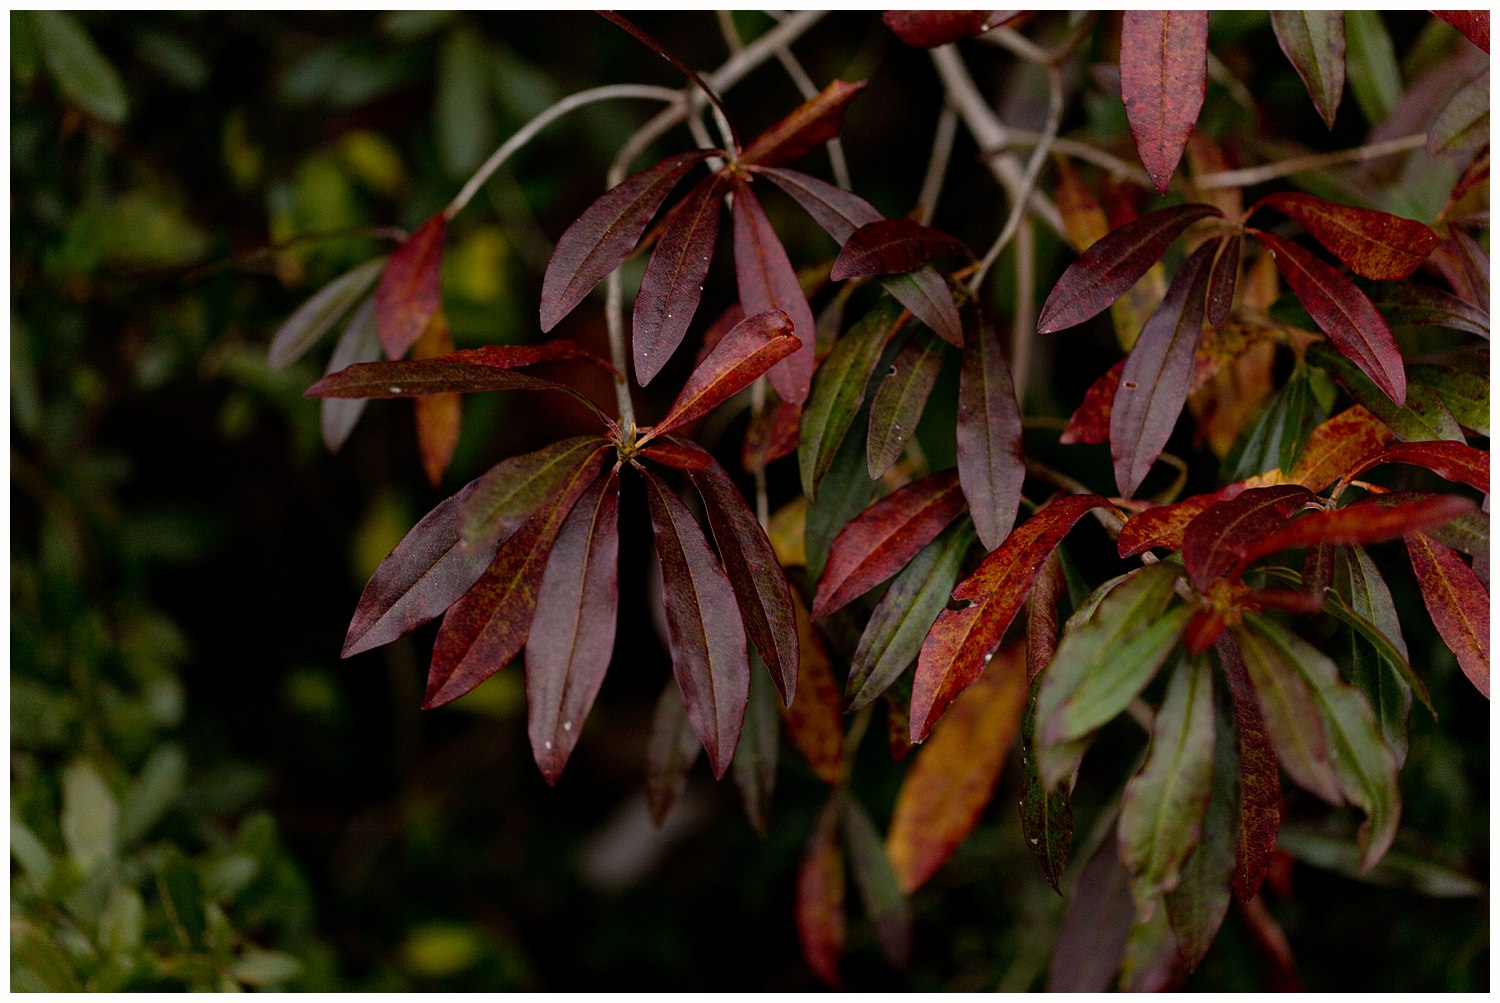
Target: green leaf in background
[[82, 73], [1465, 393], [464, 119], [181, 895], [265, 969], [1463, 126], [843, 494], [1424, 417], [1400, 868], [23, 47], [876, 882], [90, 816], [1371, 62], [154, 791], [1197, 906], [901, 398]]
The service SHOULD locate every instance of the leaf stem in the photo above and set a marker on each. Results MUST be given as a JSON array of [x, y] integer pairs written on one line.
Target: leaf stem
[[1245, 177]]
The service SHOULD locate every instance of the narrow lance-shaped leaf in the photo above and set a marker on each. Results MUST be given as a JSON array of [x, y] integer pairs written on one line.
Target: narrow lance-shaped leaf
[[1108, 269], [754, 345], [1464, 392], [1165, 525], [813, 720], [900, 400], [1152, 963], [1382, 518], [1374, 244], [1090, 423], [1154, 383], [754, 766], [885, 537], [573, 634], [1458, 604], [839, 391], [928, 29], [1161, 817], [1463, 126], [1014, 566], [1421, 305], [1423, 417], [1344, 313], [439, 417], [845, 492], [600, 239], [1314, 42], [705, 632], [671, 751], [1374, 76], [672, 284], [1259, 777], [760, 586], [1215, 540], [767, 281], [82, 72], [953, 778], [1163, 78], [360, 342], [1473, 24], [991, 468], [487, 627], [893, 246], [1096, 922], [420, 377], [772, 435], [813, 123], [879, 887], [1197, 906], [502, 498], [1222, 279], [1455, 461], [1379, 674], [410, 291], [1046, 816], [314, 318], [1335, 446], [820, 896]]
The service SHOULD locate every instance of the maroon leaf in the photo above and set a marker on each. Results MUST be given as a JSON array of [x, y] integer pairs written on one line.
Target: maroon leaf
[[820, 896], [1344, 313], [1458, 603], [754, 345], [926, 294], [928, 29], [1165, 525], [768, 282], [760, 586], [1455, 461], [1154, 383], [891, 246], [679, 455], [520, 356], [771, 436], [885, 537], [487, 627], [990, 466], [1474, 24], [1374, 244], [506, 495], [419, 377], [410, 291], [1113, 264], [606, 233], [1163, 77], [1222, 280], [1420, 305], [1260, 778], [1314, 42], [1215, 540], [573, 634], [704, 630], [813, 123], [1090, 423], [1096, 923], [673, 282], [1368, 521]]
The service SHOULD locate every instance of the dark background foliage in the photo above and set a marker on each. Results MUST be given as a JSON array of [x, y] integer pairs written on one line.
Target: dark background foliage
[[185, 555]]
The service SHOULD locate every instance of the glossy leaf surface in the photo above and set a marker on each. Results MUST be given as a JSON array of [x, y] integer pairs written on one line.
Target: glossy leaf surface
[[1219, 536], [420, 377], [672, 284], [928, 29], [991, 468], [893, 246], [809, 126], [1336, 446], [1314, 42], [753, 346], [1474, 24], [410, 291], [1163, 78], [1458, 603], [767, 281], [1374, 244]]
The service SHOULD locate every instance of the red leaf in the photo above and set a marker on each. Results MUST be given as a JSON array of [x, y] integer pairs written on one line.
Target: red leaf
[[754, 345], [487, 627], [1374, 244], [680, 456], [1458, 604], [439, 417], [1455, 461], [1344, 313], [1165, 525], [673, 281], [1222, 280], [1113, 264], [815, 720], [885, 537], [606, 233], [928, 29], [410, 291], [813, 123], [1260, 778], [990, 466], [1337, 445], [704, 629], [419, 377], [1154, 383], [1474, 24], [892, 246], [1313, 40], [1090, 423], [573, 634], [771, 437], [1214, 541], [1014, 565], [760, 586], [768, 282], [1368, 521], [1163, 77], [520, 356], [820, 896]]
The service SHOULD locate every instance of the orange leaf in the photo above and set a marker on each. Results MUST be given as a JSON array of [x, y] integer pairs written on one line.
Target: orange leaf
[[815, 719], [820, 897], [1337, 446], [1458, 604], [439, 416]]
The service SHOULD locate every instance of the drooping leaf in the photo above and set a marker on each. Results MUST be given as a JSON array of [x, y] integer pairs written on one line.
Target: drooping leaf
[[809, 126], [573, 633], [767, 281], [1370, 60], [82, 73], [1314, 42], [313, 319], [487, 627], [1476, 264], [705, 632], [954, 776], [1418, 305], [1163, 78], [814, 720], [1379, 675], [1259, 777], [520, 356], [928, 29], [1097, 920], [754, 766], [878, 884], [506, 494], [600, 239], [1344, 313], [1046, 816], [1458, 604], [1463, 126], [926, 294], [1473, 24], [1222, 278], [439, 417], [893, 246], [1292, 722], [1381, 518], [1152, 963], [900, 400], [1197, 906], [1161, 817], [1108, 269], [839, 392], [672, 284], [360, 342], [1414, 872], [1336, 445], [1215, 540], [1154, 383], [820, 896], [410, 291], [760, 586], [1455, 461], [1103, 663], [420, 377], [885, 537], [1374, 244], [990, 465], [754, 345], [892, 638], [671, 750]]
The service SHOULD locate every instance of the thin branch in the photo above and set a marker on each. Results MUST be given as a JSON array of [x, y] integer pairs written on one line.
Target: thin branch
[[1108, 518], [1023, 321], [1078, 150], [729, 31], [646, 39], [937, 164], [808, 90], [1248, 176]]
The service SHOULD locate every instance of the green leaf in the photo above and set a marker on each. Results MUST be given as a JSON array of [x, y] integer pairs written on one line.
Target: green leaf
[[82, 73], [1371, 63], [1161, 819], [1197, 906], [181, 895], [154, 791], [900, 400], [838, 392], [1397, 869], [1424, 417], [1380, 675], [1463, 126], [843, 494], [122, 924], [29, 852], [878, 888], [1314, 41], [90, 816], [1466, 394], [266, 968], [465, 124], [23, 47]]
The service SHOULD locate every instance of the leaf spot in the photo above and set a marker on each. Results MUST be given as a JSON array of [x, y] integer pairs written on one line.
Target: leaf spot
[[567, 726], [1131, 385], [395, 390]]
